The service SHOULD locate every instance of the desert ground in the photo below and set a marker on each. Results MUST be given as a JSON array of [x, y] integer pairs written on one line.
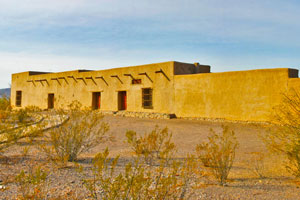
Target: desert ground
[[243, 182]]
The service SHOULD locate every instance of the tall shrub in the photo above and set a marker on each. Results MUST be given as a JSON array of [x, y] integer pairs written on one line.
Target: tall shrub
[[218, 153], [284, 138], [84, 130]]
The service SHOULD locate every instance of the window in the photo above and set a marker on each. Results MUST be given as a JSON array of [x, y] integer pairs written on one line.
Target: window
[[50, 101], [147, 98], [19, 98], [136, 81]]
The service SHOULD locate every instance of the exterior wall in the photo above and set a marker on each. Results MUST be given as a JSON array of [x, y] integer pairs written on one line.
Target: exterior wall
[[187, 90], [70, 90], [243, 95], [294, 84]]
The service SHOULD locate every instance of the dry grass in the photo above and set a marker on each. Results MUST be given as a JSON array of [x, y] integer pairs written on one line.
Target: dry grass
[[243, 183]]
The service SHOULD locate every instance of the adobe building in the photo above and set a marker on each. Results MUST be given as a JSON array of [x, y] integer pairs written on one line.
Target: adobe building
[[186, 90]]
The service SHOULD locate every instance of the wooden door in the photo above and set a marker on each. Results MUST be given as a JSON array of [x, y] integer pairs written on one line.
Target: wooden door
[[96, 100], [122, 100]]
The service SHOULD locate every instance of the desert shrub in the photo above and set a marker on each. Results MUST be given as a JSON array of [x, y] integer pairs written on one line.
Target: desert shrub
[[33, 109], [257, 164], [152, 146], [5, 103], [168, 179], [218, 153], [31, 185], [22, 115], [285, 137], [7, 137], [83, 131], [4, 107], [139, 181], [13, 128], [10, 136], [9, 133]]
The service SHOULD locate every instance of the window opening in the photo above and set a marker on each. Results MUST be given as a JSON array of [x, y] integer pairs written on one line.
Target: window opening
[[96, 102], [19, 98], [50, 101], [136, 81], [122, 100], [147, 98]]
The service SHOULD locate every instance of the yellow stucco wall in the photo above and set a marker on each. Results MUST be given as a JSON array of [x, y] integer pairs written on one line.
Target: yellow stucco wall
[[294, 84], [163, 92], [243, 95], [187, 91]]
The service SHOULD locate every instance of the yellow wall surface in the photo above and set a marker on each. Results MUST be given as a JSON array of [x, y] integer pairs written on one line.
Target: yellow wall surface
[[243, 95], [69, 90], [187, 90], [294, 84]]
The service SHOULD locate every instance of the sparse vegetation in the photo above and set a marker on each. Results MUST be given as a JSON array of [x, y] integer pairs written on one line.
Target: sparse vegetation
[[285, 138], [80, 133], [154, 146], [15, 125], [31, 184], [257, 165], [168, 179], [22, 115], [218, 153], [5, 104], [154, 168]]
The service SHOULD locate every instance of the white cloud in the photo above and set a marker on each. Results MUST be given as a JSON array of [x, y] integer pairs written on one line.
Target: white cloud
[[272, 22], [269, 20], [39, 10], [21, 62]]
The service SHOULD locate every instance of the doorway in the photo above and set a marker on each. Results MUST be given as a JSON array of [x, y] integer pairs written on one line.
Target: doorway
[[50, 101], [96, 101], [122, 100]]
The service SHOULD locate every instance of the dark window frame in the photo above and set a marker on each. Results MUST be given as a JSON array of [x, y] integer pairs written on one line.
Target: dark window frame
[[147, 98], [51, 100], [19, 98]]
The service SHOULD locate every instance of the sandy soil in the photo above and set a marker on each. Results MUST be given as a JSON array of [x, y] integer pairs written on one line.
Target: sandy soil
[[243, 183]]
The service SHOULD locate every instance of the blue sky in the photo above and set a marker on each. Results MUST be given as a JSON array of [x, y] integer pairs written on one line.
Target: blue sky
[[59, 35]]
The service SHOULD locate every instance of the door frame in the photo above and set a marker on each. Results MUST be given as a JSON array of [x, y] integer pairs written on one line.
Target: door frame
[[122, 100], [51, 100], [96, 100]]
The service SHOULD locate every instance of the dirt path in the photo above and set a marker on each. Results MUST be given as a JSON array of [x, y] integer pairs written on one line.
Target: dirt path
[[186, 133]]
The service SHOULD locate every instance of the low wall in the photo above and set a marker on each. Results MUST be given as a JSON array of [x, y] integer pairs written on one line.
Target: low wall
[[245, 95]]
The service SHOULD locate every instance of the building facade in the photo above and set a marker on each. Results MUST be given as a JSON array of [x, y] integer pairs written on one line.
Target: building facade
[[182, 89]]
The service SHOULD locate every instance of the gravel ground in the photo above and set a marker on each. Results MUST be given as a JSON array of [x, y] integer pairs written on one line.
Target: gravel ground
[[243, 184]]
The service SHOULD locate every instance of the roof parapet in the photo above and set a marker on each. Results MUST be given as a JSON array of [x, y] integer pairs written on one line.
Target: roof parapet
[[201, 68], [32, 73], [293, 73]]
